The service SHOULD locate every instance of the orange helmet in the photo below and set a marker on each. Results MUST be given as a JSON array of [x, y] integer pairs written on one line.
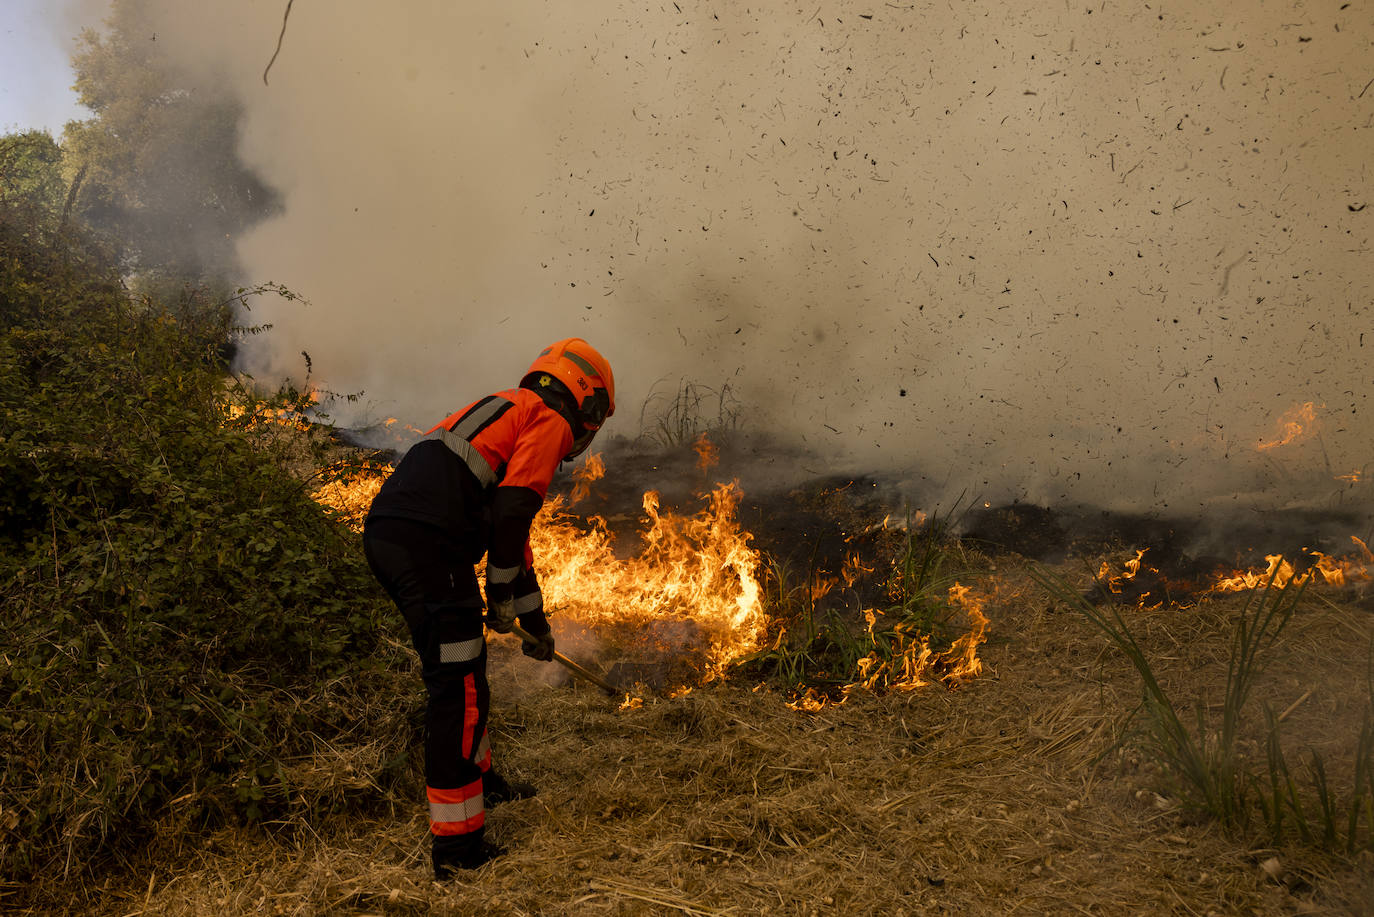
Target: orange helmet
[[586, 375]]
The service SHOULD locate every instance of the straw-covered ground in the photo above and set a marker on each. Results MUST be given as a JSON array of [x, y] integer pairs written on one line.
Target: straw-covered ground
[[1022, 792]]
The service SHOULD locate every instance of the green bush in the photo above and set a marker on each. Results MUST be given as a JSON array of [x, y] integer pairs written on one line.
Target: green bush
[[921, 635], [172, 596]]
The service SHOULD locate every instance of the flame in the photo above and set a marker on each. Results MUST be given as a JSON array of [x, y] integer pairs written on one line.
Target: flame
[[592, 469], [1132, 567], [350, 493], [853, 569], [1139, 578], [810, 701], [913, 521], [821, 586], [1353, 477], [694, 582], [1130, 570], [257, 417], [1297, 423], [960, 662], [913, 663], [1334, 571], [692, 586], [245, 412]]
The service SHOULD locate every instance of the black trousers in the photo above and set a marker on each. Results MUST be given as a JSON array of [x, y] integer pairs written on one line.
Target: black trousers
[[431, 579]]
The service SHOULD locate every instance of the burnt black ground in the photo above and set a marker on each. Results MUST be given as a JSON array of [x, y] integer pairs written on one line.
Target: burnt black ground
[[809, 520]]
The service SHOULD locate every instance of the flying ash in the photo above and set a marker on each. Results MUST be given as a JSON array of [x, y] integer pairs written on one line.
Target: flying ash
[[1056, 253]]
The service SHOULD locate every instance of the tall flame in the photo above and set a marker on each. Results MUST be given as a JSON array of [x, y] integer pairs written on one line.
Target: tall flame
[[592, 469], [693, 586], [694, 580]]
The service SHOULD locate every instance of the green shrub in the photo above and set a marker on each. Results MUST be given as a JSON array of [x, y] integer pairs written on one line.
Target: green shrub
[[172, 596], [920, 636]]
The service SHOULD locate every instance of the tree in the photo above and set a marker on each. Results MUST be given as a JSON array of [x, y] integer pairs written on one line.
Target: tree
[[160, 153], [31, 170], [33, 193]]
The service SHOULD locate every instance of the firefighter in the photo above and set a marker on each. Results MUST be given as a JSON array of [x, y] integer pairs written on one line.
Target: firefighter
[[472, 488]]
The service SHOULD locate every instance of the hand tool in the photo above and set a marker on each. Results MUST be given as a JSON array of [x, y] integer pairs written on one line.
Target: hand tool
[[571, 666]]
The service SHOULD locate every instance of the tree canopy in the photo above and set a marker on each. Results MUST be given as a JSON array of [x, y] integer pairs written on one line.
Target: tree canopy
[[162, 174]]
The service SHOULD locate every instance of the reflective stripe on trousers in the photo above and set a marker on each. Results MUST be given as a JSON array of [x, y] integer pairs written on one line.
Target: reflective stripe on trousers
[[460, 811]]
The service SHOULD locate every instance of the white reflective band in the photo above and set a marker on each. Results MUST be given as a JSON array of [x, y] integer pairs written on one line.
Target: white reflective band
[[456, 811], [530, 601], [470, 456], [481, 415], [465, 651], [499, 575]]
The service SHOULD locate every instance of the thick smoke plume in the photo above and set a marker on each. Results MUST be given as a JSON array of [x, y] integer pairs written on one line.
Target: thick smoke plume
[[1053, 252]]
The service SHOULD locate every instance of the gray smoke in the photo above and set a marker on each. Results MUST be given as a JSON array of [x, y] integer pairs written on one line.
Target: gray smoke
[[1057, 253]]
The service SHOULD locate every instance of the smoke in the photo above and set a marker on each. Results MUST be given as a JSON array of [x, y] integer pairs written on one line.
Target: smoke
[[1078, 253]]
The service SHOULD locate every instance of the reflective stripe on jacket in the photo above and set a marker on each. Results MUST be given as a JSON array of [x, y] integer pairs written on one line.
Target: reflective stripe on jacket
[[519, 435], [483, 475]]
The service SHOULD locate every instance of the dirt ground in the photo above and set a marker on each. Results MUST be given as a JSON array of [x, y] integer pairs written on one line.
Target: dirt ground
[[1022, 792]]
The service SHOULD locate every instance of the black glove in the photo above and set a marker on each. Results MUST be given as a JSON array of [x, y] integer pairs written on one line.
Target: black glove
[[537, 626], [541, 649], [500, 613], [501, 610]]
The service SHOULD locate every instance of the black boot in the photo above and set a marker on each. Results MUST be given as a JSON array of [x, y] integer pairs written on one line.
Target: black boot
[[497, 789], [453, 853]]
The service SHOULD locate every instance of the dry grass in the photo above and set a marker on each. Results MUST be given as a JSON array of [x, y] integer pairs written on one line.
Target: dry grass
[[1012, 795]]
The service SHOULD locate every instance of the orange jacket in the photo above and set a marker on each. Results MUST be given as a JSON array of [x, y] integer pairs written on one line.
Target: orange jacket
[[484, 477], [523, 440]]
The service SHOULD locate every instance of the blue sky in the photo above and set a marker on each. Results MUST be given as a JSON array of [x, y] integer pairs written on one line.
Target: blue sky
[[35, 73]]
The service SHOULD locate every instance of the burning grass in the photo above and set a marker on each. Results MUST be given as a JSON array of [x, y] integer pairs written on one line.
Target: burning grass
[[1022, 791], [731, 790], [691, 586], [685, 596]]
